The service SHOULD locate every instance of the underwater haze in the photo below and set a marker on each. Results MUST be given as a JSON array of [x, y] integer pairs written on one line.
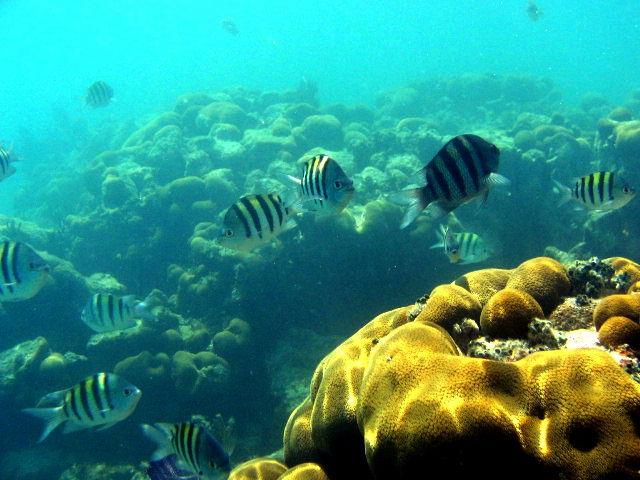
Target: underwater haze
[[200, 201]]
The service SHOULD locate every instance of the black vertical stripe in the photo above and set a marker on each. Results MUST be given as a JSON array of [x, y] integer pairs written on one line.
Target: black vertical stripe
[[323, 181], [467, 159], [484, 166], [610, 192], [266, 210], [74, 403], [310, 177], [276, 207], [305, 178], [576, 193], [582, 185], [254, 215], [189, 446], [14, 261], [181, 434], [245, 223], [441, 181], [5, 266], [84, 399], [110, 309], [95, 392], [452, 166], [196, 442], [600, 177], [120, 308], [99, 308], [65, 408], [318, 172], [590, 185], [107, 391]]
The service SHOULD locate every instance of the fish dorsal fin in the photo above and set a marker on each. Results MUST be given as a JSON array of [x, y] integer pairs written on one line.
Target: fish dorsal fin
[[53, 399]]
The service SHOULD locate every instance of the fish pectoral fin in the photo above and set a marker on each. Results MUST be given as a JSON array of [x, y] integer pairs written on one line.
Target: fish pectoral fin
[[496, 180], [440, 244], [436, 210]]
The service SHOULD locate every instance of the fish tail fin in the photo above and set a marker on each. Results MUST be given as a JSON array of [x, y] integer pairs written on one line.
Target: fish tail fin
[[144, 309], [416, 200], [52, 418], [565, 192], [158, 434]]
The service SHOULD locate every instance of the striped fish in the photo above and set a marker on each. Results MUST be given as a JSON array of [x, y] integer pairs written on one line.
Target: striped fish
[[599, 191], [463, 248], [103, 399], [324, 186], [6, 167], [462, 170], [24, 272], [99, 94], [106, 312], [196, 449], [253, 221]]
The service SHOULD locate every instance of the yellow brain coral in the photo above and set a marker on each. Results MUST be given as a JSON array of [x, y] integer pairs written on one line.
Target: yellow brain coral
[[305, 471], [258, 469], [623, 265], [483, 284], [449, 304], [544, 278], [618, 331], [508, 314], [617, 306], [562, 414]]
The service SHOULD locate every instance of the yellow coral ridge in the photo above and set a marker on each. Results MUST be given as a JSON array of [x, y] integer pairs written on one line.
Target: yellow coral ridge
[[258, 469], [508, 313]]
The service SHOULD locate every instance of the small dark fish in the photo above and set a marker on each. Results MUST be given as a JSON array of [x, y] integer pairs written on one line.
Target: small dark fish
[[166, 469], [463, 170], [99, 94], [230, 26], [534, 11]]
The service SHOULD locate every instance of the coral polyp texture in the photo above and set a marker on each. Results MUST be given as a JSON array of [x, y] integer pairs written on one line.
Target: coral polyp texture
[[399, 397]]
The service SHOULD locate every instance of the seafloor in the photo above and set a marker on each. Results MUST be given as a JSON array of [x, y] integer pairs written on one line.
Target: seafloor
[[492, 365]]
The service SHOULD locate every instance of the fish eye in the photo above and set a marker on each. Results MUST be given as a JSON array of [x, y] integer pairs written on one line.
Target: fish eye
[[200, 473], [212, 463], [626, 189], [228, 232], [127, 392], [337, 184]]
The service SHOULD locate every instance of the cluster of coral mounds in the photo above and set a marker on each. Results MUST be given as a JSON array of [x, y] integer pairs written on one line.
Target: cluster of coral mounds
[[400, 398]]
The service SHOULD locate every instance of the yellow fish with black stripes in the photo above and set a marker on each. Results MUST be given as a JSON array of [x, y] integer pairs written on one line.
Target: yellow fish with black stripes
[[195, 448], [103, 399], [599, 191], [254, 221], [23, 272], [324, 186]]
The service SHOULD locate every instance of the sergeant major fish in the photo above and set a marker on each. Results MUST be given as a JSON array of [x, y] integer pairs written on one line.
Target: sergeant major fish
[[6, 167], [23, 271], [196, 449], [599, 191], [253, 221], [99, 94], [103, 399], [324, 185], [106, 312], [462, 170], [463, 248]]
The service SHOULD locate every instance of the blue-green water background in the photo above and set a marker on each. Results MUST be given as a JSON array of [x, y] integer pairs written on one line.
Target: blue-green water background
[[152, 52]]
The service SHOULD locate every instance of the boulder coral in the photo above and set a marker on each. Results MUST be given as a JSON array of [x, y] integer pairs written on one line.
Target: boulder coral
[[258, 469], [483, 284], [618, 331], [399, 396], [617, 306], [508, 314], [544, 278]]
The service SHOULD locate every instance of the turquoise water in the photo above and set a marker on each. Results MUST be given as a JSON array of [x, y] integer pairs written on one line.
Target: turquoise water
[[419, 75]]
